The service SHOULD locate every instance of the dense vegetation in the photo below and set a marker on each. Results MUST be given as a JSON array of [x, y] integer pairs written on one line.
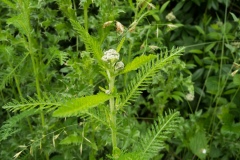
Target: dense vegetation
[[109, 79]]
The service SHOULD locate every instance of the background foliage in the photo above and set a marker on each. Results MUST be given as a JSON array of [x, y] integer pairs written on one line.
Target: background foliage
[[43, 58]]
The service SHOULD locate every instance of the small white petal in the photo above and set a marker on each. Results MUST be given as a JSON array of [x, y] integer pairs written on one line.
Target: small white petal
[[204, 151]]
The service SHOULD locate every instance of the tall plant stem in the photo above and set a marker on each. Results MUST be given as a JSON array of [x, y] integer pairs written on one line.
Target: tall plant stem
[[35, 70], [20, 93], [112, 114]]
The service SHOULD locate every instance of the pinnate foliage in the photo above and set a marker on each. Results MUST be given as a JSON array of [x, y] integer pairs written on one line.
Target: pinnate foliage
[[48, 102], [78, 105], [145, 75], [158, 133]]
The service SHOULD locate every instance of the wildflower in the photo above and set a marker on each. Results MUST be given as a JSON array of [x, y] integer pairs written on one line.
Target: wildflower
[[119, 66], [110, 56], [170, 16], [190, 97], [120, 27]]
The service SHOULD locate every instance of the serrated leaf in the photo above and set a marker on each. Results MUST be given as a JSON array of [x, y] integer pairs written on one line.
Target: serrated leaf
[[138, 62], [160, 131], [145, 75], [120, 44], [75, 106], [72, 139]]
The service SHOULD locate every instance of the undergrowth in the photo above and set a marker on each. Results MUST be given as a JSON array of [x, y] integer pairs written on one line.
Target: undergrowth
[[114, 80]]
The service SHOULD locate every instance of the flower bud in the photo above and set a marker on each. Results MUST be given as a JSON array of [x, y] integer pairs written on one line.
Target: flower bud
[[119, 66], [106, 24], [190, 97], [120, 27]]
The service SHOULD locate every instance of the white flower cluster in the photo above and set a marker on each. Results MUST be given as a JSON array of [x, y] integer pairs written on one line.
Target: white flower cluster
[[190, 97], [170, 16], [111, 56]]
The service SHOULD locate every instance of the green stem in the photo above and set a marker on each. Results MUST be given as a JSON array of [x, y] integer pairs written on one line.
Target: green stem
[[35, 70], [85, 12], [113, 115], [20, 93]]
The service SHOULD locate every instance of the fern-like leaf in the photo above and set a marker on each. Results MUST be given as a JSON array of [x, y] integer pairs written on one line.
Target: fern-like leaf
[[47, 102], [10, 4], [120, 44], [76, 106], [138, 62], [8, 74], [9, 126], [160, 131], [97, 115], [145, 76], [90, 42]]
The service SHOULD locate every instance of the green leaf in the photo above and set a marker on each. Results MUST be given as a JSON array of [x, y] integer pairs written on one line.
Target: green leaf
[[209, 47], [131, 156], [214, 36], [198, 51], [164, 6], [199, 61], [200, 30], [160, 131], [178, 6], [145, 76], [212, 85], [9, 3], [197, 74], [72, 139], [138, 62], [231, 129], [10, 126], [48, 101], [120, 44], [231, 48], [76, 106], [92, 45], [236, 79], [234, 17], [198, 144]]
